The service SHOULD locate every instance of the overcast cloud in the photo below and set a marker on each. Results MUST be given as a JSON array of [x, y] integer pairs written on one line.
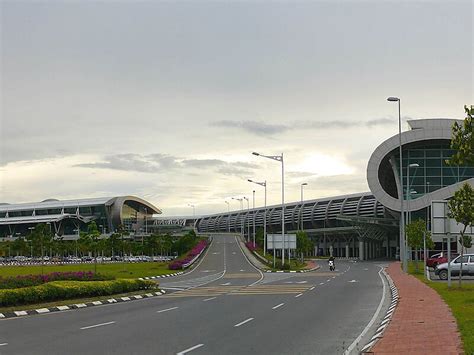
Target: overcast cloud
[[168, 99]]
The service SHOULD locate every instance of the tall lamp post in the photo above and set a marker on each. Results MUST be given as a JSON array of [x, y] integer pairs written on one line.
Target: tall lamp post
[[241, 208], [247, 218], [402, 212], [301, 211], [264, 184], [280, 159], [253, 207], [194, 216], [228, 215]]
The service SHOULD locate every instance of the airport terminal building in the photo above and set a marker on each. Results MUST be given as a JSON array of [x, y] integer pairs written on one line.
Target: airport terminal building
[[366, 225], [68, 217], [363, 225]]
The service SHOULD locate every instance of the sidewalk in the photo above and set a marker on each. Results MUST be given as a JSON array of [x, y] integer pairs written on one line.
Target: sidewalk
[[422, 323]]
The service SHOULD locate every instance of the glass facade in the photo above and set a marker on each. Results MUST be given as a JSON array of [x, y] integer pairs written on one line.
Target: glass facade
[[429, 171]]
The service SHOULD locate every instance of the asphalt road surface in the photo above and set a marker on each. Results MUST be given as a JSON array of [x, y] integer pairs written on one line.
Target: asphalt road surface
[[224, 306]]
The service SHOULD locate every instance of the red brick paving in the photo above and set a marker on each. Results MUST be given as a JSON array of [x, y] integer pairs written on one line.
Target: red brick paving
[[421, 324]]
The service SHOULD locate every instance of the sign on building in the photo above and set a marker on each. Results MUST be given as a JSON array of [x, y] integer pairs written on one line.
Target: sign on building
[[274, 241], [442, 224]]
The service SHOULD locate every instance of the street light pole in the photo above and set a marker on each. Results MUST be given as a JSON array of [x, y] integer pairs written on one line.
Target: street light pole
[[280, 159], [264, 184], [194, 216], [241, 219], [228, 216], [402, 212], [301, 210], [247, 218], [253, 207]]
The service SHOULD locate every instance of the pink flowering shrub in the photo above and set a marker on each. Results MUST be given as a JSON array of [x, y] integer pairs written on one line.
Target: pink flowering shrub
[[251, 246], [198, 248]]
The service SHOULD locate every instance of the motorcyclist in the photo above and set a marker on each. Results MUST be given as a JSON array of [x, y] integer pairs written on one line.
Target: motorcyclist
[[331, 258]]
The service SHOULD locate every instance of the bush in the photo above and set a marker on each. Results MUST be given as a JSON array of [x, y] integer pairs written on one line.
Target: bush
[[251, 246], [62, 290], [35, 280], [179, 263], [285, 266]]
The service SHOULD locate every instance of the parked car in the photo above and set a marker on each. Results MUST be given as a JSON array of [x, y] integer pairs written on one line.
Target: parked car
[[467, 267], [439, 258]]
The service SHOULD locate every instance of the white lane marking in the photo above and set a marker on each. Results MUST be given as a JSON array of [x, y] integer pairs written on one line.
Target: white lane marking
[[356, 341], [245, 321], [301, 282], [321, 283], [278, 306], [353, 281], [334, 277], [328, 280], [288, 282], [298, 295], [3, 344], [226, 284], [209, 299], [312, 288], [190, 349], [233, 253], [248, 261], [97, 325], [216, 253], [167, 309]]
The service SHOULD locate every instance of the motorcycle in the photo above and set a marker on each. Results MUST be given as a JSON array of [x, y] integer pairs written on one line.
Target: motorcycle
[[332, 267]]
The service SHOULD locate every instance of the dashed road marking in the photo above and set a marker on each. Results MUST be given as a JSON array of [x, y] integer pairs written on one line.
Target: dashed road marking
[[167, 309], [243, 322], [190, 349], [312, 288], [278, 306], [209, 299], [299, 295], [97, 325]]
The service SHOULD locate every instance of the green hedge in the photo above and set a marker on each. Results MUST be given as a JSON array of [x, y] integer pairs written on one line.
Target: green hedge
[[62, 290]]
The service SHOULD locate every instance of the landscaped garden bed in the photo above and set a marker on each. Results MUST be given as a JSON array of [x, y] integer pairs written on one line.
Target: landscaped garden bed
[[31, 289], [182, 262]]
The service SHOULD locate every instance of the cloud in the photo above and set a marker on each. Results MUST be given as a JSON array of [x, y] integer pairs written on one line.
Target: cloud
[[264, 129], [256, 127], [156, 163]]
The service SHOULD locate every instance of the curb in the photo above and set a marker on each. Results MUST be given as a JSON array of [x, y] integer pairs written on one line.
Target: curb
[[388, 316], [16, 314], [161, 276], [293, 271]]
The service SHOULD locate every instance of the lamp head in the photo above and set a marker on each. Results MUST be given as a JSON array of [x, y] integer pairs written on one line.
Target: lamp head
[[304, 184], [255, 153], [393, 99], [249, 180]]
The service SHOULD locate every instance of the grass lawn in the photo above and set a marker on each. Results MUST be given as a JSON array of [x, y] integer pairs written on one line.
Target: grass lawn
[[461, 302], [118, 270], [295, 264]]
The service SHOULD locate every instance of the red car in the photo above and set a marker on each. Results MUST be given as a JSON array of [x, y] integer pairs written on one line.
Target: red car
[[439, 258]]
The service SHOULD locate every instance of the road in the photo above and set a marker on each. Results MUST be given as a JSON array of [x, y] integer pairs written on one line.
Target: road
[[224, 306]]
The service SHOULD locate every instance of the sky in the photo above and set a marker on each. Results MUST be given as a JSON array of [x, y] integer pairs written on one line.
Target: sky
[[167, 100]]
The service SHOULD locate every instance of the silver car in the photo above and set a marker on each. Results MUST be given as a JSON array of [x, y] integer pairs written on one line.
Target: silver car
[[467, 267]]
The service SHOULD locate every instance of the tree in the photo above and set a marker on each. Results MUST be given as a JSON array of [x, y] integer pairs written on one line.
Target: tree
[[461, 209], [303, 243], [462, 140], [93, 234], [416, 233]]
